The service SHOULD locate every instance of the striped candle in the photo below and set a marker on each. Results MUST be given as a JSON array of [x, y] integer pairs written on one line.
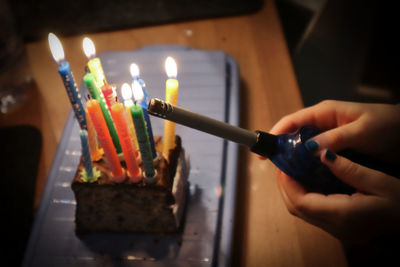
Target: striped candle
[[94, 63], [90, 82], [117, 112], [140, 99], [109, 95], [96, 152], [105, 140], [135, 74], [143, 139], [126, 92], [86, 154], [68, 79]]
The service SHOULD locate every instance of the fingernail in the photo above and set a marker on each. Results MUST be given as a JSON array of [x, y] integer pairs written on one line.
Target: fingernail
[[311, 145], [329, 155], [261, 157]]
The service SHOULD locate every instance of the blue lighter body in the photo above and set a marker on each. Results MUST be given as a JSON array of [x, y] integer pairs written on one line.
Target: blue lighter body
[[289, 154]]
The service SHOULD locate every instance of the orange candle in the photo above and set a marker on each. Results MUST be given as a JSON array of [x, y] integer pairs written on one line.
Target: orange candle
[[96, 153], [105, 140], [117, 113]]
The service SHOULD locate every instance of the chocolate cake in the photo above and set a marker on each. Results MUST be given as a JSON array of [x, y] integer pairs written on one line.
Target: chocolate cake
[[106, 206]]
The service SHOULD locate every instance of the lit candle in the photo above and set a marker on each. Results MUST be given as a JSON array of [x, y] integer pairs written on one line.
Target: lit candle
[[90, 83], [144, 144], [126, 92], [68, 79], [139, 97], [86, 154], [109, 95], [96, 152], [117, 112], [94, 63], [104, 137], [135, 73], [171, 96]]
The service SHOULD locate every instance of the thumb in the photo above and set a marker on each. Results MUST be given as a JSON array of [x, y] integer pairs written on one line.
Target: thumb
[[339, 138], [362, 178]]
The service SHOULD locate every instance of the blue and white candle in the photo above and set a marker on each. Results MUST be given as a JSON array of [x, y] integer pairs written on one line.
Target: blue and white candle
[[86, 154], [68, 79], [135, 73], [140, 99]]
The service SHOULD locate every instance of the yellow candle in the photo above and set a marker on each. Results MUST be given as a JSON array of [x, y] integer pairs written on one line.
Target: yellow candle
[[94, 63], [117, 113], [96, 153], [105, 140], [126, 92], [171, 96]]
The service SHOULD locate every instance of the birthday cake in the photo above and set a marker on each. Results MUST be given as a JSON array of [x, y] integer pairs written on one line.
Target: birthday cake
[[107, 206], [127, 180]]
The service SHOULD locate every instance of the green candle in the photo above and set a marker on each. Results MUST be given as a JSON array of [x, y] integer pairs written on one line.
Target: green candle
[[143, 140], [90, 82]]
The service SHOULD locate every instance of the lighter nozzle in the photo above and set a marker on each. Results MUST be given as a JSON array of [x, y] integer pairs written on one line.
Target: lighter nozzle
[[164, 110], [159, 108]]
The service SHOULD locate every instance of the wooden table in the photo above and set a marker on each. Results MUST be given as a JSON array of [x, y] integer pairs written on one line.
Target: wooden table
[[265, 234]]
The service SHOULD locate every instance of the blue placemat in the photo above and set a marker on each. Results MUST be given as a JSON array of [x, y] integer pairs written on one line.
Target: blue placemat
[[208, 85]]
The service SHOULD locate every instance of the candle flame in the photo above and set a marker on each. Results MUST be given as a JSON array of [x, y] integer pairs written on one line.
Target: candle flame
[[170, 67], [134, 71], [137, 91], [88, 47], [126, 91], [56, 47]]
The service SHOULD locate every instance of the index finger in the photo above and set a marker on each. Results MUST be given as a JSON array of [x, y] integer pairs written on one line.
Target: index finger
[[325, 115]]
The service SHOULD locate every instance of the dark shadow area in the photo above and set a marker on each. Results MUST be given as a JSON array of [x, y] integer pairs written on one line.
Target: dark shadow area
[[343, 50], [378, 253], [241, 186], [20, 154], [36, 18], [347, 50]]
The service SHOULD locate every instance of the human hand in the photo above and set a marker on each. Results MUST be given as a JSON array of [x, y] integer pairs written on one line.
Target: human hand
[[371, 129], [374, 211]]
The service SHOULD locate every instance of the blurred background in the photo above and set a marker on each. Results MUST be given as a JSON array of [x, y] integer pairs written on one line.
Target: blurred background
[[340, 49]]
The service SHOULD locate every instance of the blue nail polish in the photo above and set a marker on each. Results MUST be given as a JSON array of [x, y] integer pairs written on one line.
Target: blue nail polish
[[311, 145], [329, 155]]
